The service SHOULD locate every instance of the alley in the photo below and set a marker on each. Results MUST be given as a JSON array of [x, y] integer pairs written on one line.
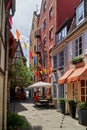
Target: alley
[[40, 118]]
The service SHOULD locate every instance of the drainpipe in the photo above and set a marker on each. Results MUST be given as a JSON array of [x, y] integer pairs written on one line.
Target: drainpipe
[[6, 73]]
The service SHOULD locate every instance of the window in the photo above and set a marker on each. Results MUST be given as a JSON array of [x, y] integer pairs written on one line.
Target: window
[[44, 6], [51, 34], [80, 13], [33, 26], [78, 46], [44, 59], [18, 54], [50, 13], [44, 23], [44, 41], [34, 48], [84, 90], [55, 62], [61, 58], [60, 36], [61, 91]]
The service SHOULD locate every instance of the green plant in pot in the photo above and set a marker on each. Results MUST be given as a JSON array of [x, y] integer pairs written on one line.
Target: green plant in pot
[[72, 106], [14, 121], [82, 113], [62, 104]]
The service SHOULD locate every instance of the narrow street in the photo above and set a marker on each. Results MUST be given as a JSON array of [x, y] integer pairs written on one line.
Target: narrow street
[[40, 118]]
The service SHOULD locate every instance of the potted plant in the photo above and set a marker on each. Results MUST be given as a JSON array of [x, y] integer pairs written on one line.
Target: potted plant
[[76, 60], [62, 105], [72, 106], [82, 113], [14, 121]]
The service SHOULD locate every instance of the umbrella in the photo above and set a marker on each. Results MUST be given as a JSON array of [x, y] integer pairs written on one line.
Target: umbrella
[[40, 84]]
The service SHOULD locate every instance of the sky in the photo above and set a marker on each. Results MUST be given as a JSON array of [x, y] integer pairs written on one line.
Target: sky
[[22, 19]]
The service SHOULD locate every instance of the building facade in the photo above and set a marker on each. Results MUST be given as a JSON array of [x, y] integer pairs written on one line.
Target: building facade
[[53, 15], [33, 46]]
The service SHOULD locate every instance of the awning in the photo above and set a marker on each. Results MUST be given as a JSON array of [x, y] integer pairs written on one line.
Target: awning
[[63, 79], [78, 74]]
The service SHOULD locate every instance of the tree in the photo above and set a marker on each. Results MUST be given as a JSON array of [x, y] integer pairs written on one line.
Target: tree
[[21, 74]]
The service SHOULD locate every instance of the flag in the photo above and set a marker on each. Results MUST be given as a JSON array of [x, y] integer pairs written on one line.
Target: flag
[[31, 55], [25, 45], [41, 72], [38, 64], [17, 34], [35, 60], [8, 6], [44, 70], [10, 21]]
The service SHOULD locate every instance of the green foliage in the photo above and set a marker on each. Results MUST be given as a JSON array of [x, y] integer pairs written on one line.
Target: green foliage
[[77, 59], [62, 100], [14, 121], [22, 75], [72, 102], [82, 105]]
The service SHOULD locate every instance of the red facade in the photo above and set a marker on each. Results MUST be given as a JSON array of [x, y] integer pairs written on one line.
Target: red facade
[[52, 15]]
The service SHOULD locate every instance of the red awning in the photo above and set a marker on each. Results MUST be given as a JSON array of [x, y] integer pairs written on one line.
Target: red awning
[[78, 74], [63, 79]]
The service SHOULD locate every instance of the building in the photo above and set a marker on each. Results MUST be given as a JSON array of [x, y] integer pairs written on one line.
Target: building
[[72, 61], [6, 14], [53, 14], [33, 46]]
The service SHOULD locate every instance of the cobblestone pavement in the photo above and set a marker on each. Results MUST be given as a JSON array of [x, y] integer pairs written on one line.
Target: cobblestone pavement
[[46, 118]]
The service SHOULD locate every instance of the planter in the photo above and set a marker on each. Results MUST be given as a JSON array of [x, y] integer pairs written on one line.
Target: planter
[[62, 105], [82, 113], [72, 106], [73, 111]]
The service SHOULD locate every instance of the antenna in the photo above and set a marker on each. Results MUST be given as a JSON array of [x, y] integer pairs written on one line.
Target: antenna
[[36, 8]]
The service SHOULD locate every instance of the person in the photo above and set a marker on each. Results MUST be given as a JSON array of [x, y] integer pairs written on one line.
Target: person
[[36, 98]]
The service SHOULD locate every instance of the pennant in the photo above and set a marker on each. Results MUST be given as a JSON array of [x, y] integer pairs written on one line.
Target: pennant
[[10, 21], [8, 6], [36, 72], [35, 60], [50, 69], [25, 45], [38, 64], [41, 72], [31, 55], [44, 70], [17, 34]]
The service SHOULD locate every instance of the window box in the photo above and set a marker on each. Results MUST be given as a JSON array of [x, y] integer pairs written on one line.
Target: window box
[[77, 60]]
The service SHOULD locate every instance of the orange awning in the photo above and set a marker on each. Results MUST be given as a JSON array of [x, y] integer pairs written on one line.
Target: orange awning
[[63, 79], [78, 74]]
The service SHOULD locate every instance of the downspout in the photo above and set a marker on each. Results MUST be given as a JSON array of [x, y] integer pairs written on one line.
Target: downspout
[[6, 72]]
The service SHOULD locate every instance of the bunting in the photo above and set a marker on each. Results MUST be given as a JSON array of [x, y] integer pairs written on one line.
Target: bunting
[[25, 45], [8, 6], [38, 64], [40, 72], [35, 60], [17, 34], [31, 55], [44, 70]]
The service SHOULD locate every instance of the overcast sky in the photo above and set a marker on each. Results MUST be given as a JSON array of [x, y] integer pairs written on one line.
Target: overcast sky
[[23, 16], [22, 20]]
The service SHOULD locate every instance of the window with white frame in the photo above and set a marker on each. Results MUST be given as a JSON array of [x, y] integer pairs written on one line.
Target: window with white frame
[[51, 34], [78, 46], [55, 62], [50, 12], [80, 13]]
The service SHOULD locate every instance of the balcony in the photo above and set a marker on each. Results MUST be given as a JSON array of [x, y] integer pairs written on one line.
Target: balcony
[[37, 34]]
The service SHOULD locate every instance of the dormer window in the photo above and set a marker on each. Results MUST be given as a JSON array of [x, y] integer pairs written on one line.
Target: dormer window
[[80, 13]]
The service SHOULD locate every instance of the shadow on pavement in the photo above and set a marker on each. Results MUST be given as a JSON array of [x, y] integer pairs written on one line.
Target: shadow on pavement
[[29, 126]]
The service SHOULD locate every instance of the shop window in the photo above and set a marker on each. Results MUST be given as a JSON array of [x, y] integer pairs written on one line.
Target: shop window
[[83, 90], [78, 46], [51, 34], [61, 91]]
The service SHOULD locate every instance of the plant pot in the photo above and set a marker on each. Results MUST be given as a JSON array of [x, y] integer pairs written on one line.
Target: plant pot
[[82, 116], [72, 111], [62, 105]]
